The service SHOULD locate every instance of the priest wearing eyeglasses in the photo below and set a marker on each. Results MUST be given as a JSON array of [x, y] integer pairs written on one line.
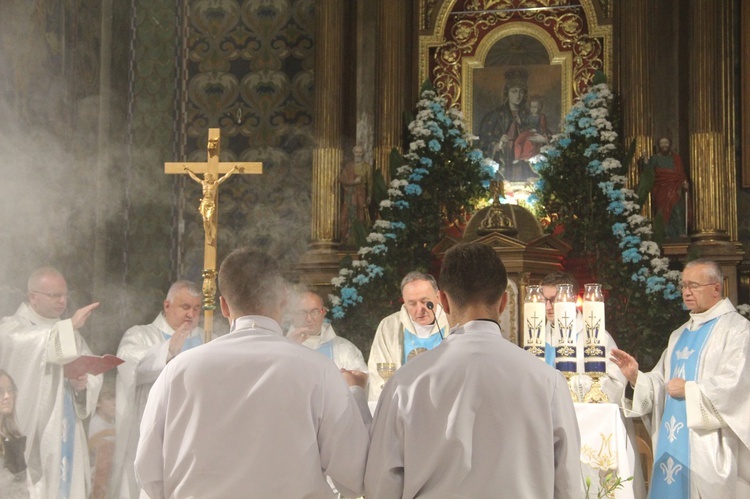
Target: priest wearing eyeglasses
[[35, 344], [695, 401], [310, 329]]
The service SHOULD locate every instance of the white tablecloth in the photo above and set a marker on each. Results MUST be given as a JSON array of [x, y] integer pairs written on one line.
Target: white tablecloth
[[605, 447]]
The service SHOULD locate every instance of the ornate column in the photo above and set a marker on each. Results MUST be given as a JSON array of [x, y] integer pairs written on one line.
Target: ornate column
[[636, 81], [321, 260], [712, 131], [391, 74]]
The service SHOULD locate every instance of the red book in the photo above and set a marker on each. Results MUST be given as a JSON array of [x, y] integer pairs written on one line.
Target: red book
[[91, 364]]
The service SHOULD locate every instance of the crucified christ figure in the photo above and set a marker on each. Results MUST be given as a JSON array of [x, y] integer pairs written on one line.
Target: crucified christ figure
[[207, 207]]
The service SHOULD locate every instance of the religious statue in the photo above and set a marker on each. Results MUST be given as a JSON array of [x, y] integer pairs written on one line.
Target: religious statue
[[356, 180], [664, 177], [207, 207]]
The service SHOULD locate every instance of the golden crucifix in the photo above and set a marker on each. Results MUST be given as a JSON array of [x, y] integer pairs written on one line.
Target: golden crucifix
[[209, 210]]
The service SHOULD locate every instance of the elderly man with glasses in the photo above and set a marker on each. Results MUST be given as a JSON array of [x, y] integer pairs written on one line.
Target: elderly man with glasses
[[35, 344], [695, 401], [310, 329]]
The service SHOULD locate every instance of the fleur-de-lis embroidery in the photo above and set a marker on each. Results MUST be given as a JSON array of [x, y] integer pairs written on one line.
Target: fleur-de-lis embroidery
[[670, 470], [673, 427]]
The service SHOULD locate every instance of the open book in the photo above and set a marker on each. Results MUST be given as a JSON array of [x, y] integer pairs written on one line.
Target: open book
[[91, 364]]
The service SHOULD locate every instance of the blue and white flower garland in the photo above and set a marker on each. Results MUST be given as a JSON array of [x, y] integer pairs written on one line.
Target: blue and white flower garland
[[588, 117], [430, 132]]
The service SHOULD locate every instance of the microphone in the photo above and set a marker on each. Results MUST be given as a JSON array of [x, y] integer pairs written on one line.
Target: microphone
[[431, 308]]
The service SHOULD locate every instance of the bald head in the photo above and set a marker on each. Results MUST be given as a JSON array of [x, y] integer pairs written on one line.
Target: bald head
[[47, 292]]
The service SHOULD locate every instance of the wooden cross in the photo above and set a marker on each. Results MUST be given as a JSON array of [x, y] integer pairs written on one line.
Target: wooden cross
[[209, 210]]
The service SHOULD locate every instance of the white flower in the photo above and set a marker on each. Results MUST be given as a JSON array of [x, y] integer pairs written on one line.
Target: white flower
[[404, 170], [618, 179], [650, 248], [673, 275], [335, 300], [630, 206], [599, 112], [744, 310], [345, 272], [602, 123], [386, 203], [636, 220], [338, 281], [381, 224], [417, 144], [364, 250], [375, 237], [609, 136], [645, 230], [396, 183], [660, 264], [394, 193], [359, 263], [606, 148]]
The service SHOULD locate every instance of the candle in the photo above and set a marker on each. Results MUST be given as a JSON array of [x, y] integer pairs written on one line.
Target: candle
[[593, 320], [565, 320], [534, 322]]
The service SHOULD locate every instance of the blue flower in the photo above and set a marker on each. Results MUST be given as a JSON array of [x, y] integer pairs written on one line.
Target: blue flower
[[565, 142], [398, 225], [618, 229], [338, 312], [590, 132], [390, 235], [401, 204], [540, 184], [424, 160], [630, 240], [434, 145], [361, 279], [595, 167], [374, 270], [671, 292], [553, 153], [585, 122], [631, 255], [655, 283], [476, 155], [379, 249], [592, 149], [420, 171], [415, 178], [461, 143]]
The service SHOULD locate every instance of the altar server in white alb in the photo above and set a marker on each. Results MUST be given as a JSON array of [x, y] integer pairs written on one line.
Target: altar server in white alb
[[253, 414], [613, 384], [477, 416], [146, 350], [695, 401], [35, 344], [311, 330], [419, 326]]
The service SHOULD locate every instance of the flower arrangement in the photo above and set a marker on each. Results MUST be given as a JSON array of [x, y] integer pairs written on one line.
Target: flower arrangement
[[583, 183], [744, 310], [439, 178]]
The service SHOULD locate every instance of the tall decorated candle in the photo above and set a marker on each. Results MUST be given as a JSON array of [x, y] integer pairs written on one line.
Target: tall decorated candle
[[565, 321], [534, 322], [593, 321]]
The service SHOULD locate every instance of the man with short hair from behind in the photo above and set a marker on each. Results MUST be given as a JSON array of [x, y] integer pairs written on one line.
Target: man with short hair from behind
[[419, 326], [695, 402], [476, 416], [146, 349], [252, 414]]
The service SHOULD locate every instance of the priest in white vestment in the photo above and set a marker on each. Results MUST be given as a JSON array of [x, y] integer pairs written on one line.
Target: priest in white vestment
[[419, 326], [35, 344], [311, 330], [146, 349], [253, 414], [477, 416], [695, 401]]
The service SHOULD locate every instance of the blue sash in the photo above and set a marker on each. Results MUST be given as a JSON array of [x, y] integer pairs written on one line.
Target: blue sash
[[326, 349], [414, 345], [68, 442], [671, 475], [190, 341]]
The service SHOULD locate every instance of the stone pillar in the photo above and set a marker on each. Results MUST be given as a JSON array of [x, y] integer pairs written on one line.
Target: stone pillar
[[321, 260], [712, 165], [391, 74], [636, 82]]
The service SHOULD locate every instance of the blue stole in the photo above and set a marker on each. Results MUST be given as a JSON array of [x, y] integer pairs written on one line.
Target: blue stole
[[549, 350], [671, 475], [67, 443], [414, 345], [326, 349], [190, 341]]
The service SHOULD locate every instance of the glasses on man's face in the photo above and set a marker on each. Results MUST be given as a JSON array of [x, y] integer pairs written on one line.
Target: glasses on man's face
[[314, 313], [53, 296], [692, 286], [7, 391]]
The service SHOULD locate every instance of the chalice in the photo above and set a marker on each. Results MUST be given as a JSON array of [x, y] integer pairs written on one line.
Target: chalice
[[386, 370]]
